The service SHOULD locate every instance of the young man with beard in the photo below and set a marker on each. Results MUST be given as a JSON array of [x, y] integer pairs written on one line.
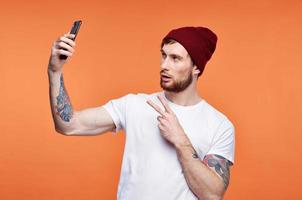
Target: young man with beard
[[178, 146]]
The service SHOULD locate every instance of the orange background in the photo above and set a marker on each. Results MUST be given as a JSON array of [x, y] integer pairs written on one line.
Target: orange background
[[254, 77]]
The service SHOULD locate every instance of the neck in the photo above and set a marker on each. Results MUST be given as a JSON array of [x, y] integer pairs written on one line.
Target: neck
[[187, 97]]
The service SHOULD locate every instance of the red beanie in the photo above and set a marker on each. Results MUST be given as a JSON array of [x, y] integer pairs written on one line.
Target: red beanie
[[200, 43]]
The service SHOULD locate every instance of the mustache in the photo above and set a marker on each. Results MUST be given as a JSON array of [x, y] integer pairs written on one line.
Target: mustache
[[165, 74]]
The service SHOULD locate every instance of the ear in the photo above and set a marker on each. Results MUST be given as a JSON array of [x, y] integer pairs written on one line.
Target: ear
[[196, 70]]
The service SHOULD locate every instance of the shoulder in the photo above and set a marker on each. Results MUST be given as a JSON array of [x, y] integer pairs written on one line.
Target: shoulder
[[141, 96], [215, 116]]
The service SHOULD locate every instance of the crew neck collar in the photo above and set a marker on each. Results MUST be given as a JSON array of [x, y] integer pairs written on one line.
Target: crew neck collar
[[181, 106]]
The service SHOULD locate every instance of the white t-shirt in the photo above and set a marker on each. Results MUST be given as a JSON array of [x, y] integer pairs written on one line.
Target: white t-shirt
[[150, 167]]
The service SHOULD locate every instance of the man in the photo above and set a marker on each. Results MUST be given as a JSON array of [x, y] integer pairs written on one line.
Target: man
[[177, 145]]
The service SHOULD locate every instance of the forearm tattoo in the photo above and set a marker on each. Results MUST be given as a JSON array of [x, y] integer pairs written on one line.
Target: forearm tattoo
[[64, 107], [221, 166]]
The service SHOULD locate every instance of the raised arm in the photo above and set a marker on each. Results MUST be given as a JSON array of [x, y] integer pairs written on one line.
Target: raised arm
[[90, 121]]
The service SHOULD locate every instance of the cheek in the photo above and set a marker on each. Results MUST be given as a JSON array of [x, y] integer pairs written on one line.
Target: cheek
[[161, 60], [182, 71]]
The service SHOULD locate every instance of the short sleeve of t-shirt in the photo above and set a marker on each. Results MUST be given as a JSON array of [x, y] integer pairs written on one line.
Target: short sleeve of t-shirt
[[224, 141], [117, 110]]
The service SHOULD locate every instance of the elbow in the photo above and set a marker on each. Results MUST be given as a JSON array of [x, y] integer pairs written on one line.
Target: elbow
[[65, 129], [62, 132]]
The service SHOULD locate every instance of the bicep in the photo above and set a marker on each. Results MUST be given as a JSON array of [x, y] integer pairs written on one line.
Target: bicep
[[220, 166], [91, 121]]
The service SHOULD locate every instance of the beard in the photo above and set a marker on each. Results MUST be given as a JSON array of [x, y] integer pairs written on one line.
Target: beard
[[177, 85]]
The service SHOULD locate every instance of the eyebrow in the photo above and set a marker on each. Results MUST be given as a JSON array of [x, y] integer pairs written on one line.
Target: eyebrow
[[173, 55]]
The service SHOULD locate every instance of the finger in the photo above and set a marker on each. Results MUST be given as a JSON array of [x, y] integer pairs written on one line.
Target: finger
[[156, 107], [66, 40], [69, 35], [65, 46], [160, 118], [165, 104], [160, 127], [64, 52]]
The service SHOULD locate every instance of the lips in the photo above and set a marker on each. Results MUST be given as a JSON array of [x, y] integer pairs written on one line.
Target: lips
[[165, 76]]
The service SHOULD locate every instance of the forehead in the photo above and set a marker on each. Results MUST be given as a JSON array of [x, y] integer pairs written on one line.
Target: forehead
[[175, 48]]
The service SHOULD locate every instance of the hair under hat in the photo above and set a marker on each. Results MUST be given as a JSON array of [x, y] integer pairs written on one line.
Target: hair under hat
[[200, 43]]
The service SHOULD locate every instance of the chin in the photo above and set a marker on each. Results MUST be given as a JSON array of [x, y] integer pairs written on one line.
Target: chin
[[167, 88]]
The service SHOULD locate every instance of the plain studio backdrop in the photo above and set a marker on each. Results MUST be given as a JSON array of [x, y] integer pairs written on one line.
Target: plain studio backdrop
[[254, 78]]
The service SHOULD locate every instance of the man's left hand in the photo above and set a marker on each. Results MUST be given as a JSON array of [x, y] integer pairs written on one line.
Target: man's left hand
[[169, 125]]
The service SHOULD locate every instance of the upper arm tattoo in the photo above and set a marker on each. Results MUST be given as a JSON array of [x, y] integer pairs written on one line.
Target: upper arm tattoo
[[221, 166], [64, 107]]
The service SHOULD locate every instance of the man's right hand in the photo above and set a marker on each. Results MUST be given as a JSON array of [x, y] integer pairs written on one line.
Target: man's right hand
[[63, 46]]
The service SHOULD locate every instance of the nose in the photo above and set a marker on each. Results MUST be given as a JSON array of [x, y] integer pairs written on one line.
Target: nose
[[164, 64]]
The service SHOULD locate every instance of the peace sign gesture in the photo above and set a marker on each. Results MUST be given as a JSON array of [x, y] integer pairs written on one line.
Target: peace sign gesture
[[169, 125]]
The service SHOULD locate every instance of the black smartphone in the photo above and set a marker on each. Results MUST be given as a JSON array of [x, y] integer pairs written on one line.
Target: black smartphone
[[74, 30]]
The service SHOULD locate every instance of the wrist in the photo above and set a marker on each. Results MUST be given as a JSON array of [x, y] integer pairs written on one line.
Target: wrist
[[54, 76], [53, 69], [186, 146], [183, 142], [54, 66]]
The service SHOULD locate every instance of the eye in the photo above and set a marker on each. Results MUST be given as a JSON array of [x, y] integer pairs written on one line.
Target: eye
[[163, 55], [175, 58]]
